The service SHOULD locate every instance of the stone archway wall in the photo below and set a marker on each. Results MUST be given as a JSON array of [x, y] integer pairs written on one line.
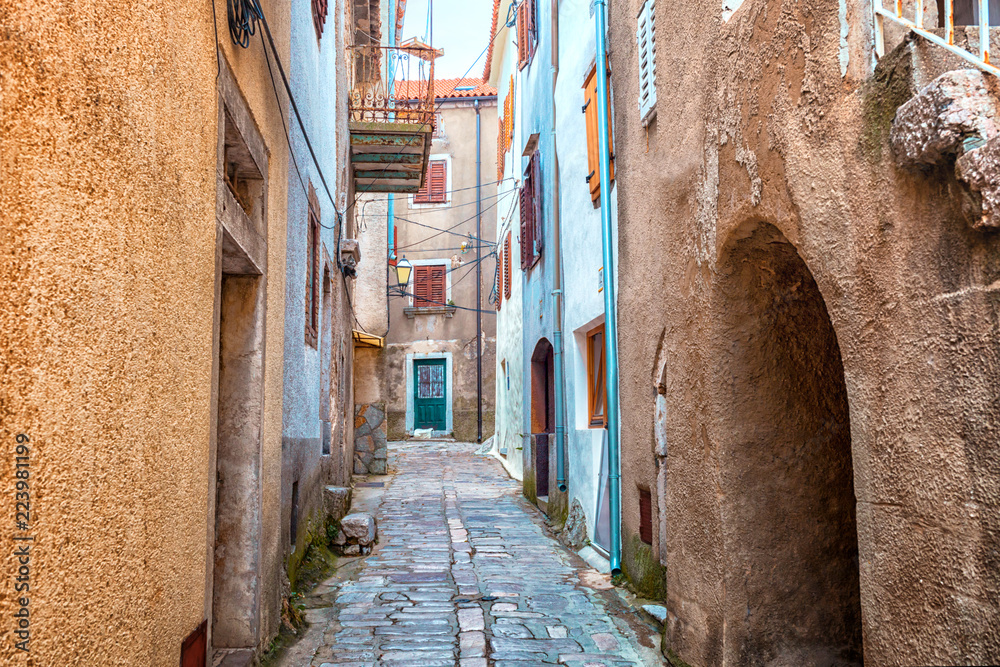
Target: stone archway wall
[[792, 594]]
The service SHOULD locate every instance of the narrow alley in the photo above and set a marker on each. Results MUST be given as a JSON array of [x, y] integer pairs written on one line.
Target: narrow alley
[[465, 574]]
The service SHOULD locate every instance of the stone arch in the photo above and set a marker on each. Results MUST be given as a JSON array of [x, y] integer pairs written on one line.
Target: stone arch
[[788, 508], [542, 388]]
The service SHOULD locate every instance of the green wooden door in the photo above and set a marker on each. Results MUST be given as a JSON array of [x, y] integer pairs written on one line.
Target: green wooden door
[[430, 407]]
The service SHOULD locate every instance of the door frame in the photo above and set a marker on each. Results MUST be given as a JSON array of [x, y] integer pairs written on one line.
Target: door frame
[[448, 389]]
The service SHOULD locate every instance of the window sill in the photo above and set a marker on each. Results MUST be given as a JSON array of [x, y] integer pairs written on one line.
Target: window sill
[[447, 311]]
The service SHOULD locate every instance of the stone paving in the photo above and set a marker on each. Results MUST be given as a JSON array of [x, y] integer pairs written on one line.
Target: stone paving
[[465, 575]]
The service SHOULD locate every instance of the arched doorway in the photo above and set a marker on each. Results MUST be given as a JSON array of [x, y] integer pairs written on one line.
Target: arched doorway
[[792, 592], [542, 412]]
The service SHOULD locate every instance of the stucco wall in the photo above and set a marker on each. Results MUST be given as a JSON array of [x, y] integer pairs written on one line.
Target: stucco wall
[[109, 144], [318, 403], [774, 118], [419, 239]]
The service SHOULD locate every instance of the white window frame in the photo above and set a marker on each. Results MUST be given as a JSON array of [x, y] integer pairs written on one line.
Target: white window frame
[[446, 263], [448, 174], [645, 38]]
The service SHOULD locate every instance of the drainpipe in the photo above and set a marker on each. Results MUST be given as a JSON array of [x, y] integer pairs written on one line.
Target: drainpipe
[[557, 292], [479, 280], [610, 316]]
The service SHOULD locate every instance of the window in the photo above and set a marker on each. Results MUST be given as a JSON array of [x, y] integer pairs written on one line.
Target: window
[[499, 280], [593, 159], [312, 270], [506, 266], [319, 16], [531, 212], [966, 12], [645, 516], [438, 126], [527, 32], [597, 401], [645, 36], [505, 129], [430, 289], [435, 187]]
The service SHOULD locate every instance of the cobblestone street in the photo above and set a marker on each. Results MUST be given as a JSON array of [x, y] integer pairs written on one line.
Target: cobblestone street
[[464, 574]]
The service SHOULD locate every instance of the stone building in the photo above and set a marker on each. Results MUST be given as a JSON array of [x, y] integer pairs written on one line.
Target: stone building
[[551, 309], [429, 365], [322, 261], [142, 323], [809, 333]]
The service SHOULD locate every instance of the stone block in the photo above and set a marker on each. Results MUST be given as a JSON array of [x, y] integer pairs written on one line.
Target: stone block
[[359, 528], [336, 501], [374, 416], [931, 126], [377, 467], [980, 169]]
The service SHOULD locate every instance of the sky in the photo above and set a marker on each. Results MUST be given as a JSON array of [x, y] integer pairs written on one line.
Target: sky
[[461, 28]]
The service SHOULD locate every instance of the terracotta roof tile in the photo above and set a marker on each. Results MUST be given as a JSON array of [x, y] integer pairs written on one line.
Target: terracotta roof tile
[[444, 88], [493, 32]]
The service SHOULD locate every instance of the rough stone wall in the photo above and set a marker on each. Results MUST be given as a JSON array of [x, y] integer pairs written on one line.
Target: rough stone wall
[[775, 121], [108, 139], [370, 439]]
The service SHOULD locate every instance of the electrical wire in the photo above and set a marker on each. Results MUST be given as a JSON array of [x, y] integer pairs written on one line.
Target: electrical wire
[[471, 187], [448, 230], [438, 105], [243, 16]]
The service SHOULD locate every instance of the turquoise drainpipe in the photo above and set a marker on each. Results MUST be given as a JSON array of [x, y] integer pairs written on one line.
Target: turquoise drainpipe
[[391, 75], [610, 316]]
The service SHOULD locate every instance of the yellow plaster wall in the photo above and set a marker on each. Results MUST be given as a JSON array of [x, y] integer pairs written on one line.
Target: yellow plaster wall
[[108, 268]]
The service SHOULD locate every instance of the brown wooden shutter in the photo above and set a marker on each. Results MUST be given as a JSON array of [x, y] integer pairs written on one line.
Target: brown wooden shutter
[[536, 215], [435, 187], [506, 266], [500, 145], [593, 150], [527, 225], [522, 35], [499, 279], [645, 516], [430, 288]]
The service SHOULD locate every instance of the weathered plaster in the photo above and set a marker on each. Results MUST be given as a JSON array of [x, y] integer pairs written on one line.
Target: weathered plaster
[[909, 290]]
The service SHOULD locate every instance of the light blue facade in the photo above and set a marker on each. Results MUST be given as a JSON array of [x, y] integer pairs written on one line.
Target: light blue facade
[[317, 420]]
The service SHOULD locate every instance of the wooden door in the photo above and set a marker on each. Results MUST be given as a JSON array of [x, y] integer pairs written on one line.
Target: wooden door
[[430, 395]]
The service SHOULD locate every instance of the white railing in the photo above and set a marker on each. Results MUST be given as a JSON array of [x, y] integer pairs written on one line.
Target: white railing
[[980, 60]]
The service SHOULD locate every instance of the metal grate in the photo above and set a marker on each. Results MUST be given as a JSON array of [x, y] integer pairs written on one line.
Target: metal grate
[[980, 59]]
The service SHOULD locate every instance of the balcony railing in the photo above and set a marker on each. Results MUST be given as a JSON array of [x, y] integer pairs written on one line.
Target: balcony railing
[[375, 73], [915, 21]]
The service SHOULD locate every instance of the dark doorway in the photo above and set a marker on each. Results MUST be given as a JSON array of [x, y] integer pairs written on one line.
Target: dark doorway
[[542, 412], [788, 505], [236, 588]]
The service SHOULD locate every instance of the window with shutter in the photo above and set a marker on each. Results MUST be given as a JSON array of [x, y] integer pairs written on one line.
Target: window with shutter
[[645, 35], [527, 32], [593, 151], [500, 148], [319, 16], [531, 213], [430, 287], [435, 187], [506, 266], [596, 400], [312, 270], [498, 282]]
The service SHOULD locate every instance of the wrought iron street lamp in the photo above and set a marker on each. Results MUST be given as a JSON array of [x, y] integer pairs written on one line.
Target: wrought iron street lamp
[[403, 271]]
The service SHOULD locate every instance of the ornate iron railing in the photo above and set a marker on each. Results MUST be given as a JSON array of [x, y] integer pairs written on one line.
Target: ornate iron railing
[[980, 58], [377, 74]]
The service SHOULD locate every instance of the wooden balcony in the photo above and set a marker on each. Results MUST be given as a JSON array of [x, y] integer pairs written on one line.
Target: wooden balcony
[[390, 138]]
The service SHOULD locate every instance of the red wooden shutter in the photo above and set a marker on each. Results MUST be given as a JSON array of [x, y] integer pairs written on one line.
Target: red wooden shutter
[[500, 145], [435, 187], [430, 288]]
